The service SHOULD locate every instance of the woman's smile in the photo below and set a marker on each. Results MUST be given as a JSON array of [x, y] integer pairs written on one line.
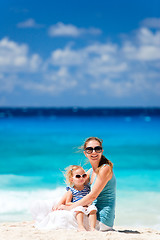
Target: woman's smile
[[94, 157]]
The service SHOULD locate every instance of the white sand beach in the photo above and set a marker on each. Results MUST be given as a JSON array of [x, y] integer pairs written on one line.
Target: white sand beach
[[26, 231]]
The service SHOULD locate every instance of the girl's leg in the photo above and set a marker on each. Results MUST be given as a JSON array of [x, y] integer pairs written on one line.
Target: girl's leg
[[79, 217], [92, 220]]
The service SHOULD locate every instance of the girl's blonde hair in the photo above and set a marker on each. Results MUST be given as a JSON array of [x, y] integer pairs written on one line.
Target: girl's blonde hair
[[103, 160], [69, 173]]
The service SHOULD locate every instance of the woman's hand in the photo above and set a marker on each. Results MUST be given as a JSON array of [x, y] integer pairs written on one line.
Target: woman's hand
[[65, 207], [58, 207], [69, 203], [55, 208]]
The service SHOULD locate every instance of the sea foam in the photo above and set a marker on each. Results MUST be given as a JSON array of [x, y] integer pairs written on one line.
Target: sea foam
[[15, 205]]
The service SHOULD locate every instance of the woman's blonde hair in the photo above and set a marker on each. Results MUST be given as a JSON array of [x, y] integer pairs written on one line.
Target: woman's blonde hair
[[69, 173], [103, 160]]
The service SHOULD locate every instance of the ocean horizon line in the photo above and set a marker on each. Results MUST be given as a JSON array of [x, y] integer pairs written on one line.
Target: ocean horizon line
[[78, 111]]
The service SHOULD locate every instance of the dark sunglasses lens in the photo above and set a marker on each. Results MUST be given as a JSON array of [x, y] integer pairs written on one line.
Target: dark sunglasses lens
[[84, 175], [98, 149], [89, 150], [77, 176]]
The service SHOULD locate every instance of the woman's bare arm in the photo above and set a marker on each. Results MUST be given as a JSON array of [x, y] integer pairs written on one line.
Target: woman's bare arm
[[104, 175]]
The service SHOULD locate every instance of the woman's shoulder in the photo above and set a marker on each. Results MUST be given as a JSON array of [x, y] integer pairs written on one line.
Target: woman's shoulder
[[105, 170]]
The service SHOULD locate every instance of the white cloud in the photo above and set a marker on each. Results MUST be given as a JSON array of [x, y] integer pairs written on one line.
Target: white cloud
[[53, 82], [61, 79], [119, 89], [67, 56], [15, 57], [34, 62], [146, 48], [147, 37], [69, 30], [29, 23], [119, 71], [151, 22], [145, 53], [97, 55], [99, 48], [15, 60]]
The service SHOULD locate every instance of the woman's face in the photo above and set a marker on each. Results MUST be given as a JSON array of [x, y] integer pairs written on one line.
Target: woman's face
[[95, 155]]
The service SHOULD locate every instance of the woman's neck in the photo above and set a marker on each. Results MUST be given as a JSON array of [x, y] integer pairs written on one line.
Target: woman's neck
[[94, 168]]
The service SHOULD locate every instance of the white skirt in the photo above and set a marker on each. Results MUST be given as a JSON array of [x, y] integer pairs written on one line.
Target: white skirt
[[45, 218], [84, 210]]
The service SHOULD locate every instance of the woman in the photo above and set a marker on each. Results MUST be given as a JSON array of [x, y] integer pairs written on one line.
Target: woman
[[103, 194], [103, 184]]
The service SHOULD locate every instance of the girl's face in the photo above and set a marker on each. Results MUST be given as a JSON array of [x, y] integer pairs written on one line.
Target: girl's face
[[93, 152], [79, 177]]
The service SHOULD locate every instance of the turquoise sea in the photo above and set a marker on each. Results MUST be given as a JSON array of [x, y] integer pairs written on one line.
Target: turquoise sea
[[37, 144]]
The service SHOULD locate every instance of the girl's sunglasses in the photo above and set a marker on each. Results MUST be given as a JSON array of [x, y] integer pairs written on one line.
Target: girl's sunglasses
[[79, 176], [97, 149]]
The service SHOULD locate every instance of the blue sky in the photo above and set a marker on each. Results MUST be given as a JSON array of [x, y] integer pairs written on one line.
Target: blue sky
[[80, 53]]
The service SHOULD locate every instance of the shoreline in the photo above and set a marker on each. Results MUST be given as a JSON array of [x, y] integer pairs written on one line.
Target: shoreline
[[26, 230]]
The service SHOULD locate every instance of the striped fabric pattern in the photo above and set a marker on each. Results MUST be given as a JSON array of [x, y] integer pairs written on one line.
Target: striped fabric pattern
[[77, 194]]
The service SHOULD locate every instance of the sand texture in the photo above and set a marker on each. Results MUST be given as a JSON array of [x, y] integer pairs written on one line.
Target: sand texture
[[26, 231]]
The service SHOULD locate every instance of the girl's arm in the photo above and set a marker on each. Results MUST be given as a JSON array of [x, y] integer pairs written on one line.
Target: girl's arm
[[67, 197], [104, 175]]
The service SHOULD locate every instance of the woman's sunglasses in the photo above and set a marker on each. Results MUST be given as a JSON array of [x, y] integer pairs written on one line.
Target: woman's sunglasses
[[97, 149], [79, 176]]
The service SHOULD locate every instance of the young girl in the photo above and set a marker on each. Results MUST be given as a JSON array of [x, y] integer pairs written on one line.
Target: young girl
[[78, 188]]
